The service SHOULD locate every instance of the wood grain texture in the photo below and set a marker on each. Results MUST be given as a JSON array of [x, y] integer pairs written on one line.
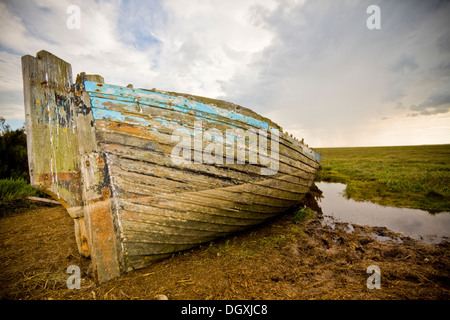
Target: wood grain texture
[[166, 207], [146, 173]]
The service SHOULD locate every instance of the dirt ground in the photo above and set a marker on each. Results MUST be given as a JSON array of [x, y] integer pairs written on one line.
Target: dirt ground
[[282, 259]]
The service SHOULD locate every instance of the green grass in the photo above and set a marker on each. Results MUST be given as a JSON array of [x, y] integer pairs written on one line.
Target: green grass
[[14, 193], [303, 214], [407, 176]]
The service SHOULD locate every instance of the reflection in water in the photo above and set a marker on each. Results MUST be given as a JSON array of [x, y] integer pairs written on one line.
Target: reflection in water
[[414, 223]]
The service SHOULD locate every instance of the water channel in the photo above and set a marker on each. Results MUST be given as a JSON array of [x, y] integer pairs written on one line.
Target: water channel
[[417, 224]]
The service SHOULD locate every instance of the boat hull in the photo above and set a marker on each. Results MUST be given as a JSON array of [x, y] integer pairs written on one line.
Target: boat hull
[[146, 173]]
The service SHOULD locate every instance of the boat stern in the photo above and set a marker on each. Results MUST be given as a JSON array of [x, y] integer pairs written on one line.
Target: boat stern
[[52, 141]]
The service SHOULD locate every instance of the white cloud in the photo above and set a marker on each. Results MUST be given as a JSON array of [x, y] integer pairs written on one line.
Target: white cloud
[[188, 47], [9, 65], [14, 34], [205, 43], [311, 66], [328, 77]]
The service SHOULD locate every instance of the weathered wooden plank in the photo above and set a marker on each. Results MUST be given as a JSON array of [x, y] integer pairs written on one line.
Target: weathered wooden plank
[[146, 108], [235, 172], [281, 187], [240, 197], [245, 196], [84, 119], [153, 175], [184, 180], [138, 233], [158, 140], [122, 153], [161, 243], [165, 96], [180, 221], [142, 248], [37, 199], [51, 130], [154, 182], [81, 236], [225, 202], [256, 195], [194, 212], [178, 103], [104, 241], [164, 125], [271, 191], [126, 185], [203, 199], [139, 170], [166, 113]]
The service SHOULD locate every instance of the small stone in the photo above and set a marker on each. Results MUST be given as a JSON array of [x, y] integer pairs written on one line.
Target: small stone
[[161, 297]]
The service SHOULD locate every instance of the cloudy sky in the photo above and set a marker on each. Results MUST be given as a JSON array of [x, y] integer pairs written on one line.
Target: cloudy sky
[[312, 66]]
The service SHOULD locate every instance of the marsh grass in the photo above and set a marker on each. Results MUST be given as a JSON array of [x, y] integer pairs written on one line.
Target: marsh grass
[[13, 195], [303, 215], [406, 176]]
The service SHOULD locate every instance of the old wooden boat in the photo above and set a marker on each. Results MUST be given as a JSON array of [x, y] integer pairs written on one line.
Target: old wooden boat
[[146, 173]]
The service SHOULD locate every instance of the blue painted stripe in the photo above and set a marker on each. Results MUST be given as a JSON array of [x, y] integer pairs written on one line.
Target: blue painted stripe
[[177, 103]]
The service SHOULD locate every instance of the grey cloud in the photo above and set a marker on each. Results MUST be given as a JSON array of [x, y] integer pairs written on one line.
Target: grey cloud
[[324, 68], [404, 64], [400, 106], [304, 35], [443, 43], [10, 97], [11, 105], [438, 100]]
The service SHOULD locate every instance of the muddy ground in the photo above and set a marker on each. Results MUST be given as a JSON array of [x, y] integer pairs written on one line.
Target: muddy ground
[[282, 259]]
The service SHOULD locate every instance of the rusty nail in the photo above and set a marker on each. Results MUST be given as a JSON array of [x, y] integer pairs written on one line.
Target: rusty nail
[[100, 162], [106, 193]]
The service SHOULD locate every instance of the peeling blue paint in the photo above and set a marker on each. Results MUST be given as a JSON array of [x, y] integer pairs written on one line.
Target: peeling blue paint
[[104, 94], [163, 122], [317, 155], [165, 101], [117, 116]]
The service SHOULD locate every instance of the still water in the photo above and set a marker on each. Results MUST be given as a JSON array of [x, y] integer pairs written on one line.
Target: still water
[[414, 223]]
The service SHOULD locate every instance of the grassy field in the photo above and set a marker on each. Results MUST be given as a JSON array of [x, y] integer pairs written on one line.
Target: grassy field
[[407, 176]]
